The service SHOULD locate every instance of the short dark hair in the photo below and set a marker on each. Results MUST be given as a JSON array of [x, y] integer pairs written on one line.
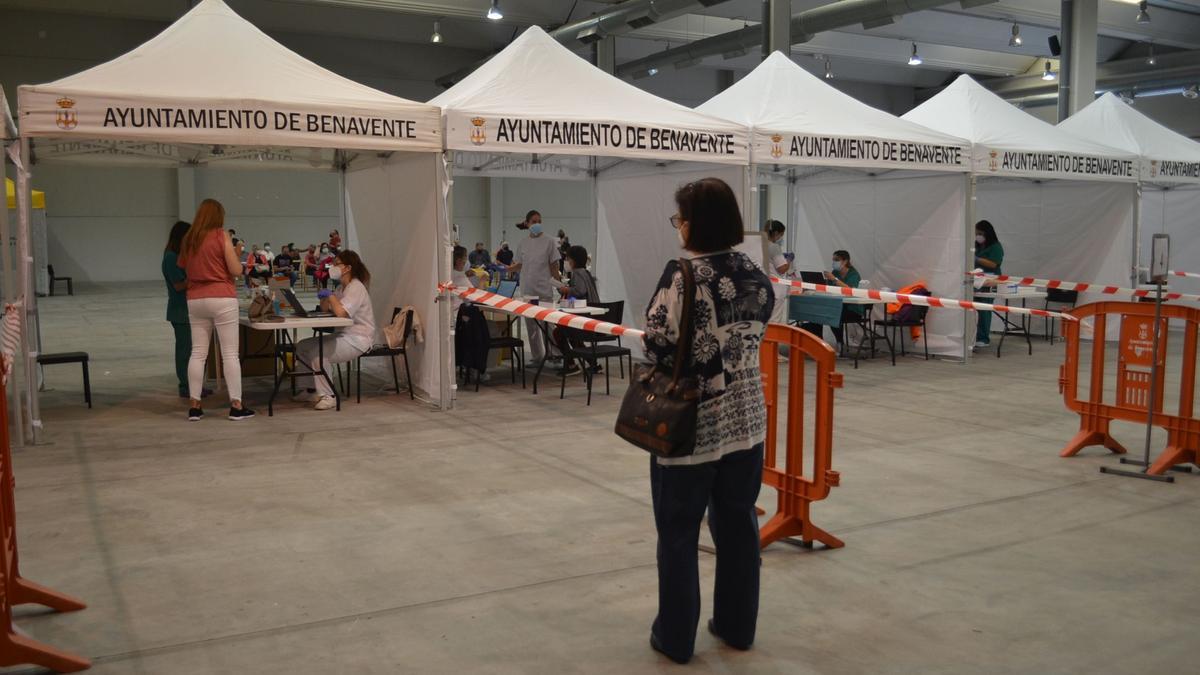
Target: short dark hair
[[460, 252], [842, 254], [775, 227], [713, 215], [532, 213], [175, 238], [578, 255]]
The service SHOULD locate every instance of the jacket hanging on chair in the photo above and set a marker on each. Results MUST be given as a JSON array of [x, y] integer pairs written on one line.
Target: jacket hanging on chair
[[471, 338], [900, 311]]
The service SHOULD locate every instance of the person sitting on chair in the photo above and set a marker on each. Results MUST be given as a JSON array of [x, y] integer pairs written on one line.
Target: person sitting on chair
[[582, 287], [349, 301], [844, 275]]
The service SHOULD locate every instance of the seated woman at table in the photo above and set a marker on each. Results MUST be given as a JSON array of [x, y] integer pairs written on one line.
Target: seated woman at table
[[844, 275], [582, 287], [349, 301], [988, 256]]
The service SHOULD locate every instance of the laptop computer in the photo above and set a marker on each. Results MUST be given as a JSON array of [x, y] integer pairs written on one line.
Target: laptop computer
[[298, 308], [813, 277], [506, 288]]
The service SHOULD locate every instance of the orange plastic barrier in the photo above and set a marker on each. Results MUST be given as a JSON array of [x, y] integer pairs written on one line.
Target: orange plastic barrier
[[17, 649], [796, 490], [1133, 380]]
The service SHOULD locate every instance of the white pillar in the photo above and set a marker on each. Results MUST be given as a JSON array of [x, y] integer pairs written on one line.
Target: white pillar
[[1082, 61], [777, 26]]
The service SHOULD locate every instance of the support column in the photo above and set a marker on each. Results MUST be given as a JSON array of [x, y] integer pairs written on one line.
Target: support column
[[185, 177], [496, 225], [606, 55], [1080, 65], [777, 27]]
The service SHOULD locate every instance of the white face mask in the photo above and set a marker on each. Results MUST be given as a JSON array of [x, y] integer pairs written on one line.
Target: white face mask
[[335, 272], [980, 239], [837, 265]]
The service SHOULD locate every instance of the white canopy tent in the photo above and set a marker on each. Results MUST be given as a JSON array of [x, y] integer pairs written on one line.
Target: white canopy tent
[[897, 205], [538, 98], [1067, 214], [1170, 175], [212, 78]]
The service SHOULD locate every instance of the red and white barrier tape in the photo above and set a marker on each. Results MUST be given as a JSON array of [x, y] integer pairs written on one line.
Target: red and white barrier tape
[[538, 313], [1081, 287], [1193, 275], [924, 300]]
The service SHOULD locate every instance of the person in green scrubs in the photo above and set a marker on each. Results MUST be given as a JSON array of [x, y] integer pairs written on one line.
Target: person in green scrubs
[[989, 254], [177, 311], [844, 275]]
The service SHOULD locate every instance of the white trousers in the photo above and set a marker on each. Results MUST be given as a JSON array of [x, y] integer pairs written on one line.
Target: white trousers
[[336, 349], [205, 314]]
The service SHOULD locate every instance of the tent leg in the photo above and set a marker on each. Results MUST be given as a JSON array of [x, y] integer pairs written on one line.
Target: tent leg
[[969, 318], [1137, 234], [29, 299]]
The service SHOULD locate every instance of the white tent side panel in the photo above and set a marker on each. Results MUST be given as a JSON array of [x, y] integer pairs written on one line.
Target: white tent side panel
[[634, 235], [1175, 212], [393, 221], [897, 232], [1062, 230]]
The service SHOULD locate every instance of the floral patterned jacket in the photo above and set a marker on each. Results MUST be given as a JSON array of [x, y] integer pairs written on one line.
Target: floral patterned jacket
[[734, 300]]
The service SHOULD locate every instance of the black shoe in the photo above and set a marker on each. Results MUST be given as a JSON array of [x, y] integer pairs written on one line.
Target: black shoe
[[195, 414], [658, 648], [239, 414], [596, 369], [712, 628]]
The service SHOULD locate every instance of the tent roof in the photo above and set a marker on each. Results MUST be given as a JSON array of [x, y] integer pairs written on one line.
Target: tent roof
[[1024, 144], [1174, 157], [10, 193], [542, 86], [780, 96], [215, 66]]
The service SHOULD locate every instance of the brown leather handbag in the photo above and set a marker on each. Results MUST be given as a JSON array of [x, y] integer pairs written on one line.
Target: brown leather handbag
[[658, 413]]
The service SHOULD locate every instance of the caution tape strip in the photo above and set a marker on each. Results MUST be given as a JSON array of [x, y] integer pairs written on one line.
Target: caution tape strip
[[1176, 273], [538, 313], [1082, 287], [924, 300]]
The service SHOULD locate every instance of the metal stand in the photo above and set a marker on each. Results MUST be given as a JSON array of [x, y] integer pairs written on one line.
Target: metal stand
[[1150, 401]]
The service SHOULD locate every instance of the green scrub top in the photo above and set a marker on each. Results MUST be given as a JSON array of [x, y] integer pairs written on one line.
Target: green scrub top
[[851, 277], [176, 300], [995, 253]]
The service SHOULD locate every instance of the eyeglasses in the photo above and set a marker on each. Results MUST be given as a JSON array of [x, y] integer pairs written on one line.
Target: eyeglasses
[[675, 221]]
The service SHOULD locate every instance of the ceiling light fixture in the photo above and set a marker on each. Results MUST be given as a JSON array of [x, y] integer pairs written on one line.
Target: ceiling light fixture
[[1015, 40], [493, 12], [915, 59], [1150, 58], [652, 72], [1143, 16], [1192, 92], [1047, 74], [1128, 97], [436, 38], [828, 69]]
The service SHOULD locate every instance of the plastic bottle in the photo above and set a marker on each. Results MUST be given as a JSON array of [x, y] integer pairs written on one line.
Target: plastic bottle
[[275, 303]]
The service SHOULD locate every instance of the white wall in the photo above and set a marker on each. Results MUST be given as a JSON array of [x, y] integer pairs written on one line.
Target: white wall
[[470, 211], [278, 206], [106, 224]]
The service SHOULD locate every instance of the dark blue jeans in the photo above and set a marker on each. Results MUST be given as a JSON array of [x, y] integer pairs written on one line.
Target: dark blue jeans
[[728, 488]]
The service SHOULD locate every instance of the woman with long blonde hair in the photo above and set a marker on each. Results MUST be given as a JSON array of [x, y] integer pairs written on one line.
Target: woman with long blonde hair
[[212, 264]]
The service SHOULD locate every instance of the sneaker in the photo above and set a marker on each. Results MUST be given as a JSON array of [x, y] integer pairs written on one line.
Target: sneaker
[[307, 396], [981, 344], [569, 370], [326, 403], [195, 414], [239, 414]]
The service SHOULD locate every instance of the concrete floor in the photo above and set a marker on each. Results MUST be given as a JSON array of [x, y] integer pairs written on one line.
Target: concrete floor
[[514, 535]]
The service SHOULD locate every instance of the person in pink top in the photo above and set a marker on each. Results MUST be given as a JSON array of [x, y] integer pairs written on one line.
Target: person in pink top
[[212, 264]]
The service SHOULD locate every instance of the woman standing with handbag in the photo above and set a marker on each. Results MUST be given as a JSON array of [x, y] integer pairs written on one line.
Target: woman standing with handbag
[[211, 263], [731, 303]]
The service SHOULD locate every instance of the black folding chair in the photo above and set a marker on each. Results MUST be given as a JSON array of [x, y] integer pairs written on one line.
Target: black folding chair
[[391, 353], [1063, 300], [915, 319], [55, 279], [587, 348]]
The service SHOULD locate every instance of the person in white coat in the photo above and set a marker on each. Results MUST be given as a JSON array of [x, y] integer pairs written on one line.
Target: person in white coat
[[349, 301], [537, 261]]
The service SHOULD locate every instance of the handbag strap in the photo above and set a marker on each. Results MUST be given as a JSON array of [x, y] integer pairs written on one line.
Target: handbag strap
[[686, 329]]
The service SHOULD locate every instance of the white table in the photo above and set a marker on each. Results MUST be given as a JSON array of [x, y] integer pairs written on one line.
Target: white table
[[285, 343], [1024, 294]]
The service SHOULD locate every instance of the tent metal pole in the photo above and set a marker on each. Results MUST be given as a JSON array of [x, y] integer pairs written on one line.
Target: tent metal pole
[[1137, 233], [791, 210], [25, 204], [445, 254], [969, 262], [14, 408]]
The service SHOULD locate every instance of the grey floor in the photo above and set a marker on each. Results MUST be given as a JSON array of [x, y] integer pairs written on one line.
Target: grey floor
[[514, 534]]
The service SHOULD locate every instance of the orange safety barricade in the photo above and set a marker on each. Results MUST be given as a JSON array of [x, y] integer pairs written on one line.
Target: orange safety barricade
[[17, 649], [1133, 380], [796, 490]]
